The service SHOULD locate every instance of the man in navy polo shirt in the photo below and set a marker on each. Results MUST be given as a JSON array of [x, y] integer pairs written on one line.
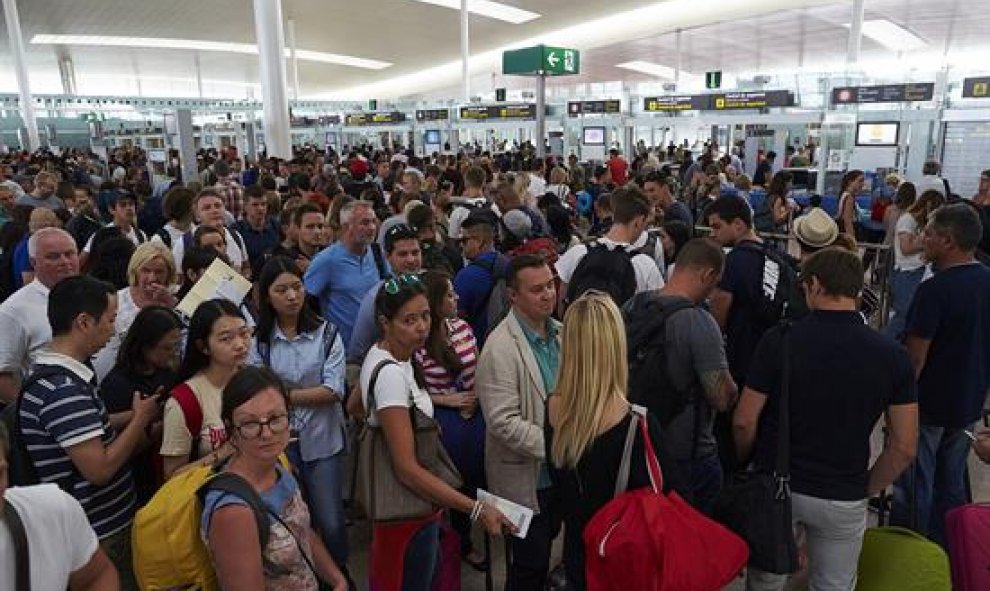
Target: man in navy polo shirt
[[66, 427], [843, 376], [474, 283], [948, 339], [257, 228]]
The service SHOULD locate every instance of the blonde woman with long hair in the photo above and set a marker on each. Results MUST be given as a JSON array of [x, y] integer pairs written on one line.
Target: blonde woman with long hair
[[588, 419]]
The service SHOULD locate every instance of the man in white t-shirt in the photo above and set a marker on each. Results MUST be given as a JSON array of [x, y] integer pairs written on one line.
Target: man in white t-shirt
[[909, 270], [630, 213], [62, 547], [473, 198], [24, 328], [931, 181], [209, 210], [537, 184]]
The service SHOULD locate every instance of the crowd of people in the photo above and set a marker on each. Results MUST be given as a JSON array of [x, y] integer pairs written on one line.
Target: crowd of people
[[470, 321]]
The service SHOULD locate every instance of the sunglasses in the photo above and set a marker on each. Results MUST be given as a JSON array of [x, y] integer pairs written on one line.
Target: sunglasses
[[393, 285]]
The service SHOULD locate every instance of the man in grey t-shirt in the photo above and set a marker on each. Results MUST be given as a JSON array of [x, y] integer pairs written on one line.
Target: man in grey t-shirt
[[43, 194], [696, 360]]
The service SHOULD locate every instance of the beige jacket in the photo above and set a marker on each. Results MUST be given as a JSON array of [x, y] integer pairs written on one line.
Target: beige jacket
[[510, 389]]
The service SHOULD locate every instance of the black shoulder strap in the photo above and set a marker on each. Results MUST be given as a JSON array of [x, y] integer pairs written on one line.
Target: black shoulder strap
[[376, 251], [229, 483], [329, 336], [783, 463], [372, 382], [165, 236], [22, 555]]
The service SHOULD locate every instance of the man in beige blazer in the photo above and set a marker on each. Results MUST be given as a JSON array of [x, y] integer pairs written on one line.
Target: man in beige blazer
[[516, 372]]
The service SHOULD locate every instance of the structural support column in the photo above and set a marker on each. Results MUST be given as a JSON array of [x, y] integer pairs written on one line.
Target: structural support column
[[67, 73], [271, 56], [21, 73], [541, 114], [855, 32], [293, 59], [677, 43], [187, 145], [465, 70]]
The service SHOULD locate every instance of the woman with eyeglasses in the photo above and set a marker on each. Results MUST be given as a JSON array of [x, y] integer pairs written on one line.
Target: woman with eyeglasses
[[409, 547], [217, 346], [255, 412], [448, 361], [307, 353], [146, 363]]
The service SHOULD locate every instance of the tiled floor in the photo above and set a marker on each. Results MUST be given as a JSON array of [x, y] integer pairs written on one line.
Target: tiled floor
[[471, 580]]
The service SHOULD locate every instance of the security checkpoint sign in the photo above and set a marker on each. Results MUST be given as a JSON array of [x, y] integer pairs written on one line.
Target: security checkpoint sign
[[541, 59]]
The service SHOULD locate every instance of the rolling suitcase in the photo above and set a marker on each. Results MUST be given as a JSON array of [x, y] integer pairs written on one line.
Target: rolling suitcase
[[898, 559], [968, 532]]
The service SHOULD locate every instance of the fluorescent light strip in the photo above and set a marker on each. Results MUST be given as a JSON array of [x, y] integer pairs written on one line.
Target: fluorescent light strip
[[891, 35], [649, 68], [495, 10], [196, 45]]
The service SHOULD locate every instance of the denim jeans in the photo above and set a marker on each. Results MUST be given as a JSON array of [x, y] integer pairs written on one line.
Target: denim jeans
[[421, 560], [323, 484], [903, 284], [937, 479], [834, 533], [703, 477]]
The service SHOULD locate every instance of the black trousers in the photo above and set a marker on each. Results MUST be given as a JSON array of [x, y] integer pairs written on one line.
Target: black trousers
[[529, 562]]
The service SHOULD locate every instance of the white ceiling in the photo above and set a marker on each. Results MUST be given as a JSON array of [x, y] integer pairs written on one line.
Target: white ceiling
[[422, 40]]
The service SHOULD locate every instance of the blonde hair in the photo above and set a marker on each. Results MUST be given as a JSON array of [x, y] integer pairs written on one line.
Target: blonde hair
[[558, 176], [144, 254], [593, 374]]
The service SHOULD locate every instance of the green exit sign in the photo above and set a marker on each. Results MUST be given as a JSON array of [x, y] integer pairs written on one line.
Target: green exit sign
[[372, 104], [713, 80], [542, 59]]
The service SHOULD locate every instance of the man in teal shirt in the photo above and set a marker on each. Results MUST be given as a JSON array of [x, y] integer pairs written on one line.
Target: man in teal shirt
[[516, 373]]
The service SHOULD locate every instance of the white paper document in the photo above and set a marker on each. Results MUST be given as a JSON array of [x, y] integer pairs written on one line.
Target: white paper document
[[519, 516]]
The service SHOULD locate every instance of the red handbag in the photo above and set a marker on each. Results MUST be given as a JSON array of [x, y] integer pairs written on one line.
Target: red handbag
[[652, 541]]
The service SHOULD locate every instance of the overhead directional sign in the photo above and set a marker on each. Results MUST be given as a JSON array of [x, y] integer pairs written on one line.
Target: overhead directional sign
[[541, 59], [605, 107], [725, 101], [884, 93], [375, 118], [976, 87], [432, 114], [498, 112], [694, 102]]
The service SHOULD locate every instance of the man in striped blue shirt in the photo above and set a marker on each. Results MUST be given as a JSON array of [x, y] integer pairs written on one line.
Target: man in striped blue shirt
[[66, 427]]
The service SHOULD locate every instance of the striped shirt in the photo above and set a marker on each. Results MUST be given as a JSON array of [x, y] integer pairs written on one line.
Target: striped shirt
[[439, 380], [63, 410]]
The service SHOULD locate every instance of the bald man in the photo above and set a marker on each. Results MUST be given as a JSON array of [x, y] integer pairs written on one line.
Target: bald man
[[24, 315]]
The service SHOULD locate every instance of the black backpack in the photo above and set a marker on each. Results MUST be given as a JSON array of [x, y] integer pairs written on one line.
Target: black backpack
[[782, 297], [605, 269], [20, 468], [649, 381]]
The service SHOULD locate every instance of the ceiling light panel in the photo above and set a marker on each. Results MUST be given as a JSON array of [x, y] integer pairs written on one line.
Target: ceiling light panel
[[649, 68], [197, 45], [487, 8], [891, 35]]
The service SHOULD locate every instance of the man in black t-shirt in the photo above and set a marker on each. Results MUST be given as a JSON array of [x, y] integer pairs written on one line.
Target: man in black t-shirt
[[843, 377], [948, 340]]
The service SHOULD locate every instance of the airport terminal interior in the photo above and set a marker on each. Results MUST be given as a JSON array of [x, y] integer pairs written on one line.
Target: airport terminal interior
[[266, 189]]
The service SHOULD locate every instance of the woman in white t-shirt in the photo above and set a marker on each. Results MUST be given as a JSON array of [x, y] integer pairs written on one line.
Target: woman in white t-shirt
[[217, 346], [909, 266], [403, 313]]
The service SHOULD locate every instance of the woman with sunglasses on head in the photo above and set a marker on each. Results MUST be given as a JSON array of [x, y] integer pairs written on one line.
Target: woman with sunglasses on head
[[255, 413], [146, 363], [306, 352], [448, 361], [217, 346], [404, 553]]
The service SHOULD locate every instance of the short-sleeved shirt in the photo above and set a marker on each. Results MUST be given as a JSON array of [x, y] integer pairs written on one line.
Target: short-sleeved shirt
[[259, 243], [693, 347], [843, 376], [439, 379], [906, 224], [176, 438], [648, 275], [135, 235], [59, 536], [21, 263], [395, 386], [952, 310], [743, 278], [51, 202], [285, 547], [235, 254], [619, 169], [340, 278], [60, 412], [25, 329], [366, 331]]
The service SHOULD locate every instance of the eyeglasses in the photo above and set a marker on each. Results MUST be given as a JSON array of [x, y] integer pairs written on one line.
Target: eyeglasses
[[252, 429], [393, 285]]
